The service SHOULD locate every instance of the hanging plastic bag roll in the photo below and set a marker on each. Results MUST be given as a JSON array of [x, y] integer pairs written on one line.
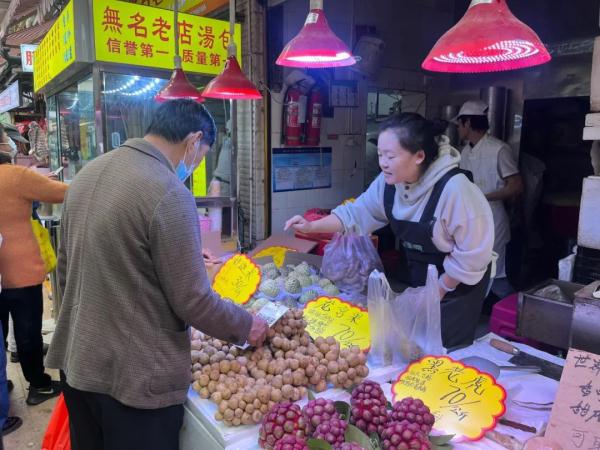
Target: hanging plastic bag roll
[[407, 326]]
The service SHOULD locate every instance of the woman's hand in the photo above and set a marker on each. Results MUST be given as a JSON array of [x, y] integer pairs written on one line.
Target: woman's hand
[[298, 223], [446, 284]]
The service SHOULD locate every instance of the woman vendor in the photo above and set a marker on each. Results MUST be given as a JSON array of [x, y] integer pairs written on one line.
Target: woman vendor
[[440, 217]]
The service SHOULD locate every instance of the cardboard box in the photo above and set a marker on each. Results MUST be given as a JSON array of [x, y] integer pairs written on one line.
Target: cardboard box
[[285, 240]]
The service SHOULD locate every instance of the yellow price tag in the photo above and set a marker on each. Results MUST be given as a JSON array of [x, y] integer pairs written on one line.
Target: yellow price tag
[[347, 323], [238, 279], [276, 252], [464, 401]]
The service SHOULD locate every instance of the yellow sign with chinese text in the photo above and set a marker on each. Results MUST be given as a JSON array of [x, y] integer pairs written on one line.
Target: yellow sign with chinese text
[[464, 401], [128, 33], [199, 180], [238, 279], [56, 52], [276, 252], [197, 7], [347, 323]]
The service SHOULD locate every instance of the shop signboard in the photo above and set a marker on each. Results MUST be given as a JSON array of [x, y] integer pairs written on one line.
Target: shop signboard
[[27, 51], [464, 401], [128, 33], [197, 7], [56, 52], [10, 98]]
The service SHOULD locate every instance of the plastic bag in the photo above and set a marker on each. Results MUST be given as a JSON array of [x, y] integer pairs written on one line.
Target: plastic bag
[[348, 261], [407, 326], [42, 236], [57, 435]]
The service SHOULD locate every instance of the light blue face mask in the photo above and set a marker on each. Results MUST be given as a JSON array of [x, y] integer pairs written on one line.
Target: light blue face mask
[[184, 171]]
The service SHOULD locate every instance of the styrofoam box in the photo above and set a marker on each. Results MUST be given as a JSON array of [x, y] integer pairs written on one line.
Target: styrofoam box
[[589, 225], [245, 437]]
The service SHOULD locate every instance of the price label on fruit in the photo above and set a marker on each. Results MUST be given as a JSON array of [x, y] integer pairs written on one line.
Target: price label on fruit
[[464, 401], [276, 252], [347, 323], [238, 279]]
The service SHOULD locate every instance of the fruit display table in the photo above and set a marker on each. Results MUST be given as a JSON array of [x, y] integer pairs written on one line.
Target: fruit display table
[[526, 396], [202, 432]]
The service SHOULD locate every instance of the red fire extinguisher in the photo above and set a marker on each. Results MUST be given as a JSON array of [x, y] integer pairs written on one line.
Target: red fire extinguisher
[[313, 121], [292, 121]]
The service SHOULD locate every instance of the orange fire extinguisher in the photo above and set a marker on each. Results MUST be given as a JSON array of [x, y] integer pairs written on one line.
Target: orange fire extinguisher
[[293, 122], [313, 121]]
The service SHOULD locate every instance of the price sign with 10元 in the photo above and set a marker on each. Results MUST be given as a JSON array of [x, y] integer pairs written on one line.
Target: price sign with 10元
[[347, 323]]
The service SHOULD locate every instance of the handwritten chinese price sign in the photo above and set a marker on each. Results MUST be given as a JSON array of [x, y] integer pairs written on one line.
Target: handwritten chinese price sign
[[136, 34], [276, 252], [575, 419], [347, 323], [238, 279], [464, 401]]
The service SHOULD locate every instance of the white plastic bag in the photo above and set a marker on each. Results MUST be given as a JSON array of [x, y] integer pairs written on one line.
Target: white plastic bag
[[404, 327], [348, 261]]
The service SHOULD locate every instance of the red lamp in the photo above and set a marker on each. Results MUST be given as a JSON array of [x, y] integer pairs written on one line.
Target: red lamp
[[316, 45], [231, 84], [178, 86], [489, 38]]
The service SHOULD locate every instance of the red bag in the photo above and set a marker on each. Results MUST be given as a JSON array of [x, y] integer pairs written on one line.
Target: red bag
[[57, 435]]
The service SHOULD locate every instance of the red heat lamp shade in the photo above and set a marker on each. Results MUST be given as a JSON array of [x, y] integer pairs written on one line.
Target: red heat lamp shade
[[316, 46], [231, 84], [489, 38], [178, 87]]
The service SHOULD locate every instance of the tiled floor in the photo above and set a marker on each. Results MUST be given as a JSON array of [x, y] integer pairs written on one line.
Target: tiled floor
[[35, 418]]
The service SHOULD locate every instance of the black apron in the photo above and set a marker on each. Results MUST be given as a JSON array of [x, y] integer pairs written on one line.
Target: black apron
[[461, 308]]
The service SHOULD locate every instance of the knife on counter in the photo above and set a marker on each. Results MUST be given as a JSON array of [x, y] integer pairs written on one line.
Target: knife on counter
[[549, 369]]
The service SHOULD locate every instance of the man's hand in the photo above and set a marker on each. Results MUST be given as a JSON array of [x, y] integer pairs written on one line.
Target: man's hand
[[298, 223], [209, 257], [258, 331]]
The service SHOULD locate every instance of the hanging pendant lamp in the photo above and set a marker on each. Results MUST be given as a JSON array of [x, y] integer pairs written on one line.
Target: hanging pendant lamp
[[489, 38], [178, 86], [316, 45], [231, 84]]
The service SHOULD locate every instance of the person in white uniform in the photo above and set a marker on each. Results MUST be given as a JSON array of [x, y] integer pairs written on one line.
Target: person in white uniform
[[440, 217], [496, 172]]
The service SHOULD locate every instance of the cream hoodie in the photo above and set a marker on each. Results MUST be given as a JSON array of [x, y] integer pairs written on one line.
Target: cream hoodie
[[464, 229]]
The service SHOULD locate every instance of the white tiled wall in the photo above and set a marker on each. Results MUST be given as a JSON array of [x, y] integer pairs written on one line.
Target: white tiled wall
[[347, 179], [400, 70]]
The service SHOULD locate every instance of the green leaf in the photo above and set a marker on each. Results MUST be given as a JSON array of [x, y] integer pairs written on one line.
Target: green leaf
[[318, 444], [441, 440], [311, 395], [389, 405], [343, 410], [353, 434], [375, 441], [350, 389]]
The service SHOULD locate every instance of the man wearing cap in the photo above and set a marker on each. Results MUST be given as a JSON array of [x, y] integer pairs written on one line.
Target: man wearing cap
[[496, 172]]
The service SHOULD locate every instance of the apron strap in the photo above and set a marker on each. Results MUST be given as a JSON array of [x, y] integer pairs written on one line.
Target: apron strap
[[429, 210], [389, 193]]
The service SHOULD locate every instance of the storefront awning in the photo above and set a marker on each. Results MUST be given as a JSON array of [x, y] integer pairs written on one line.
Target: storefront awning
[[28, 36]]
